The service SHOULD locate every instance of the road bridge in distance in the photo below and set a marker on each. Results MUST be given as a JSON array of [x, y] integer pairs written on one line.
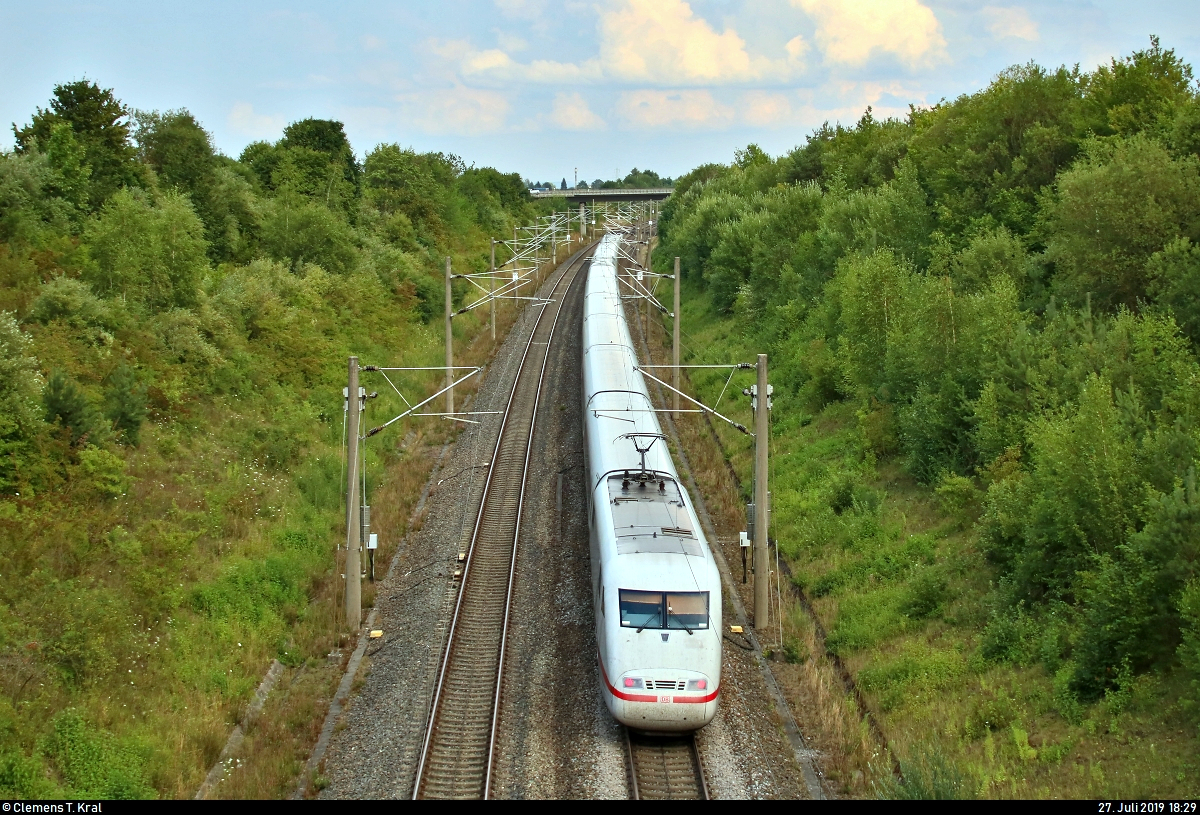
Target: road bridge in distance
[[587, 196]]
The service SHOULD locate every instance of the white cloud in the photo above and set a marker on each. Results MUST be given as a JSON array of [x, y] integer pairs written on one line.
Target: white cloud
[[571, 112], [245, 122], [850, 31], [659, 42], [691, 109], [371, 42], [510, 42], [450, 49], [1010, 22], [796, 49], [496, 66], [456, 110], [663, 41], [762, 109], [491, 61]]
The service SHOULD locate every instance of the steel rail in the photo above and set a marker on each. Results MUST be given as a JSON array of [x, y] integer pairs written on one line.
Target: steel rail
[[537, 399], [665, 767], [571, 268]]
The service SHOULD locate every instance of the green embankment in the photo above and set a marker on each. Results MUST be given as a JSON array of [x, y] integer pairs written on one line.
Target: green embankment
[[982, 323], [174, 327]]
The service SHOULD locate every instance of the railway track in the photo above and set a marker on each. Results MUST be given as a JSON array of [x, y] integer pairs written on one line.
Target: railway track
[[456, 758], [664, 768]]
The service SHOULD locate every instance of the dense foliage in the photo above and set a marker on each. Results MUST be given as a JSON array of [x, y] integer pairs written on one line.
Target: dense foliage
[[1007, 286], [174, 326]]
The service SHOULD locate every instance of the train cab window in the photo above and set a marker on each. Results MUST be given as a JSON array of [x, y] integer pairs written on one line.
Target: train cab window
[[641, 609], [656, 609], [687, 609]]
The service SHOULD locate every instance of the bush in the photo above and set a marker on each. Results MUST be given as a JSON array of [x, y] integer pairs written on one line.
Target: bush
[[23, 776], [94, 763], [1010, 635], [65, 298], [1133, 601], [927, 593], [1117, 618], [993, 711], [935, 431], [103, 471], [956, 494]]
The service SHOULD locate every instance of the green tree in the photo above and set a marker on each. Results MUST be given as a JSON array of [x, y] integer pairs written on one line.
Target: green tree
[[72, 175], [988, 256], [896, 216], [873, 294], [329, 138], [181, 153], [1189, 649], [261, 157], [67, 406], [416, 184], [1124, 200], [298, 231], [864, 155], [152, 254], [100, 123], [20, 393], [1133, 602], [1175, 283], [125, 402], [29, 212], [1137, 93], [179, 150], [987, 156], [310, 173], [1083, 493]]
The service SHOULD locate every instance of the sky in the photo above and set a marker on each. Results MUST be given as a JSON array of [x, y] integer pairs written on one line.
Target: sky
[[551, 89]]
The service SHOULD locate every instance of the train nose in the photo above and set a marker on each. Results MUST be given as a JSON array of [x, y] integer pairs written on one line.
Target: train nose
[[655, 700]]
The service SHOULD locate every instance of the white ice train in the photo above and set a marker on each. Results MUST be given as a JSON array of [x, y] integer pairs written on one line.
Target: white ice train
[[655, 586]]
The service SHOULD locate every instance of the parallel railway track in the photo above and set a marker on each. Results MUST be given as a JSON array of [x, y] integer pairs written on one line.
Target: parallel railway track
[[664, 768], [457, 756]]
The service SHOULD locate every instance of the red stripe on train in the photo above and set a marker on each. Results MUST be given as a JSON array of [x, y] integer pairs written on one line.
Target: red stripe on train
[[643, 697]]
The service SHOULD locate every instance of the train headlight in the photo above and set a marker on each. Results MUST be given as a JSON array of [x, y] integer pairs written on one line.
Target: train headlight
[[697, 684], [630, 682]]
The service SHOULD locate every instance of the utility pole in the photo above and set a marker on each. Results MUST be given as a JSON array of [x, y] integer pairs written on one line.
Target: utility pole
[[761, 498], [353, 526], [582, 222], [449, 343], [492, 290], [675, 339]]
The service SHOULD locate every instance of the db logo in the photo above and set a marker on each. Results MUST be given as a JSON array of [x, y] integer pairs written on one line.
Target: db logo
[[664, 700]]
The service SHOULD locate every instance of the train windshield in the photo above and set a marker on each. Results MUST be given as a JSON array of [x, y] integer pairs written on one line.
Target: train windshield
[[687, 609], [641, 609], [656, 609]]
